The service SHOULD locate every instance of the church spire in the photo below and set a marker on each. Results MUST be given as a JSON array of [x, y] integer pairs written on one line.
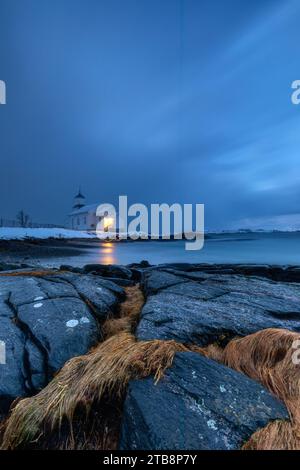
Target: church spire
[[79, 200]]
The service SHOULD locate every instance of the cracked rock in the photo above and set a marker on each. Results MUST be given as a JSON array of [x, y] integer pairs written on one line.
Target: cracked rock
[[44, 322], [201, 312], [198, 405]]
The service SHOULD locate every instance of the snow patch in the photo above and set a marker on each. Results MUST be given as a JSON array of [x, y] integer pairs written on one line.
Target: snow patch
[[20, 233], [38, 298], [84, 320], [39, 305]]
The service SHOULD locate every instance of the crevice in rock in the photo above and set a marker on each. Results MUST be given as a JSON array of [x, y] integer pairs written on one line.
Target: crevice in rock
[[96, 314], [89, 387], [293, 316], [29, 336]]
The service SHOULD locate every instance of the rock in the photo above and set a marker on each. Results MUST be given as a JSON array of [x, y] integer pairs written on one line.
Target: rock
[[47, 320], [12, 372], [155, 281], [122, 282], [143, 264], [37, 367], [221, 305], [198, 405], [72, 269], [103, 294], [275, 273], [62, 328], [110, 270], [9, 266]]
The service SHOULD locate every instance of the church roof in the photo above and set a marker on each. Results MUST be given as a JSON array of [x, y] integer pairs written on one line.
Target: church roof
[[79, 195], [85, 209]]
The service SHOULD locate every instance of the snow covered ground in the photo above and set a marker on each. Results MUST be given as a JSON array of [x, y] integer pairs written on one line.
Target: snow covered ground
[[19, 233]]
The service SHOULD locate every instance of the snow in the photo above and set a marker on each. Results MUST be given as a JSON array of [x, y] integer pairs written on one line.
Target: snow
[[19, 233]]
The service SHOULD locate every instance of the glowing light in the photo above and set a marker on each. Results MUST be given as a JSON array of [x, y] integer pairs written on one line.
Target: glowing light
[[108, 222]]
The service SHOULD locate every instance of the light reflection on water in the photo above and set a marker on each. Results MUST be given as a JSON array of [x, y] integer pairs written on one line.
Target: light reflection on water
[[107, 253]]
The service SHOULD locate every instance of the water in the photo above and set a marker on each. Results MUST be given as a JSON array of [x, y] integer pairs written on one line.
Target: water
[[259, 248]]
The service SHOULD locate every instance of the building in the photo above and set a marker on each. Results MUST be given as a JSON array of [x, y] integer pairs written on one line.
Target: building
[[83, 216]]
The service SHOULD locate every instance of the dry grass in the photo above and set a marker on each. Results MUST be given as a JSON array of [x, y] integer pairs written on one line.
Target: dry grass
[[277, 435], [82, 407], [212, 351], [83, 382], [267, 356], [129, 313]]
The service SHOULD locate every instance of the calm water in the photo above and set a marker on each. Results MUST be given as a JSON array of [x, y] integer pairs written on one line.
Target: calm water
[[270, 248]]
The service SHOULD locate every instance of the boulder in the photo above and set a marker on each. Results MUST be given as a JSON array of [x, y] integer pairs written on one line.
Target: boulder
[[110, 270], [198, 405], [221, 305], [12, 373], [62, 328], [45, 321], [102, 294], [157, 280]]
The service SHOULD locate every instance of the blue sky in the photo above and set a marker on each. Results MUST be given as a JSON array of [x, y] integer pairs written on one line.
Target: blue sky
[[164, 101]]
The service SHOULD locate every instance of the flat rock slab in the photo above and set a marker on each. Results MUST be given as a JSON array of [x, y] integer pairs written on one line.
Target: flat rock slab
[[198, 405], [61, 328], [109, 270], [202, 311], [12, 371], [45, 321]]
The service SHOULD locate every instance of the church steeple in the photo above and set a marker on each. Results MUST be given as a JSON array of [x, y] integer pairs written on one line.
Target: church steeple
[[79, 200]]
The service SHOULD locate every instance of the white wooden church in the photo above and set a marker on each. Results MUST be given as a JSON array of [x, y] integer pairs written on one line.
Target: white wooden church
[[83, 216]]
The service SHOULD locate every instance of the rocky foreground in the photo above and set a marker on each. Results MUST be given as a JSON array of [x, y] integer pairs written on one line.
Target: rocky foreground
[[202, 397]]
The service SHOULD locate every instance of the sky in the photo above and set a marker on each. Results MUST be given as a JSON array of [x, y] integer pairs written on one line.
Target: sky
[[165, 101]]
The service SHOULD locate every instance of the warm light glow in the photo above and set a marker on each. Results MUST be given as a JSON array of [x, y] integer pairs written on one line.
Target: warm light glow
[[107, 254], [108, 222]]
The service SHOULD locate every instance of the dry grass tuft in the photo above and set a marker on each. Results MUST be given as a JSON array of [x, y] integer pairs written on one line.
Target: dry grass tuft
[[212, 351], [267, 356], [277, 435], [84, 381], [129, 313]]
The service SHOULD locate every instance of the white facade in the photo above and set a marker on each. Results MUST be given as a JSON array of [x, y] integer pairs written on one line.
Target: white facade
[[83, 217]]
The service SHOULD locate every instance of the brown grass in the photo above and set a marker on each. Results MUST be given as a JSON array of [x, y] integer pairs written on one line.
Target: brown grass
[[129, 313], [212, 351], [82, 407], [267, 356], [83, 382], [277, 435]]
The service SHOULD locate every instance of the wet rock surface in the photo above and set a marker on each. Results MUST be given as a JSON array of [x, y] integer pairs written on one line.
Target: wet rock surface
[[45, 321], [199, 404], [199, 307], [48, 318]]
